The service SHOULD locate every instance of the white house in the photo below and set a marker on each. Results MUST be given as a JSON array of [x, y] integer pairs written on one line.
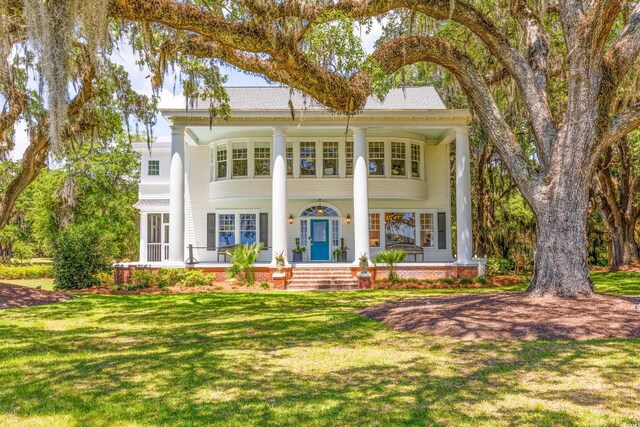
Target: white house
[[317, 179]]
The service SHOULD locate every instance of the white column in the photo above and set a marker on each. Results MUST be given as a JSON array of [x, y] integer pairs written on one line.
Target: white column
[[463, 197], [176, 196], [143, 237], [279, 196], [360, 194]]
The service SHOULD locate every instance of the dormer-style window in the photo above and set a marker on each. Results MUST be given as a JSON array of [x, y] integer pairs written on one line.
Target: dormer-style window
[[153, 168]]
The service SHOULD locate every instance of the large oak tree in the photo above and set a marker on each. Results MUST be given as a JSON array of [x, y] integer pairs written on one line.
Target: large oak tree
[[568, 103]]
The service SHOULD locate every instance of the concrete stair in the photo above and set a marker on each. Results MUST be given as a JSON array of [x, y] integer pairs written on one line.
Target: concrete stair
[[322, 279]]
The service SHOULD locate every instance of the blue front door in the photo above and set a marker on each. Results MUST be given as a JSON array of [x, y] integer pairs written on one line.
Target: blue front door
[[320, 240]]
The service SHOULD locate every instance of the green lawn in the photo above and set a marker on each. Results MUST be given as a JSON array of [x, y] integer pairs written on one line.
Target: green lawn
[[46, 284], [294, 359]]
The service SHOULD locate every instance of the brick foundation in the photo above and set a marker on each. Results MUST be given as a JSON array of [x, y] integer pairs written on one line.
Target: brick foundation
[[426, 272]]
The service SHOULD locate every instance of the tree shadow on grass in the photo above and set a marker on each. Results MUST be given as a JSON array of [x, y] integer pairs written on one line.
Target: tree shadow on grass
[[300, 360]]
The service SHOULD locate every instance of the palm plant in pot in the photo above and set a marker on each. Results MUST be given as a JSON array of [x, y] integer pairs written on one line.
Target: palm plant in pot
[[298, 251], [340, 254]]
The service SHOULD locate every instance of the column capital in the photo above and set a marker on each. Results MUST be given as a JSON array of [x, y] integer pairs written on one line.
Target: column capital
[[175, 128], [462, 130], [361, 131], [279, 132]]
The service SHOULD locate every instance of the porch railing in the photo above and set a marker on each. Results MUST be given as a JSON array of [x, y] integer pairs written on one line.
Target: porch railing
[[154, 252]]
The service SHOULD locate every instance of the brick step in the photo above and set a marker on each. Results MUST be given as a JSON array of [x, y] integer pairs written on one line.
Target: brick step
[[321, 271], [316, 275], [351, 287], [322, 280]]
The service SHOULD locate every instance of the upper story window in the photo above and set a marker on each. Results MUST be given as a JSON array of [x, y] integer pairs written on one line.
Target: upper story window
[[398, 159], [221, 162], [348, 149], [289, 153], [330, 158], [153, 168], [240, 160], [307, 158], [416, 160], [262, 159], [376, 158]]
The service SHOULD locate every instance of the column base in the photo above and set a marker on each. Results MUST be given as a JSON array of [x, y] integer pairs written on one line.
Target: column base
[[364, 281], [279, 280]]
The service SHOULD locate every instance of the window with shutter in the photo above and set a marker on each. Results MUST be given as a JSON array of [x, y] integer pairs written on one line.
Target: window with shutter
[[211, 232], [442, 230], [264, 229]]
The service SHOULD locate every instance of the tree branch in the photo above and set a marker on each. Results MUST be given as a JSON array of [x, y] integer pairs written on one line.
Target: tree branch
[[625, 50], [621, 125]]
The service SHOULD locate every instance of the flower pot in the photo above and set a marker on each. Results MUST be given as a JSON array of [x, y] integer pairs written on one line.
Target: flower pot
[[344, 256], [297, 257]]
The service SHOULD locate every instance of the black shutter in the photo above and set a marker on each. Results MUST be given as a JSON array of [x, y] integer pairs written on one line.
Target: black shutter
[[442, 230], [264, 229], [211, 232]]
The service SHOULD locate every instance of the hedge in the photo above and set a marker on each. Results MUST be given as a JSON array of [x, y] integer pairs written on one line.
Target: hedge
[[29, 272]]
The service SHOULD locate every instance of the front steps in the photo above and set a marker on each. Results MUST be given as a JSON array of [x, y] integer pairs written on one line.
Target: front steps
[[322, 279]]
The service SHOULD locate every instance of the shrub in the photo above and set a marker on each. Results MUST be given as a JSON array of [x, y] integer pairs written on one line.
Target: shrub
[[22, 252], [80, 253], [264, 285], [447, 280], [105, 279], [499, 266], [243, 257], [465, 281], [31, 272], [170, 277], [194, 278], [142, 279], [481, 280], [391, 258]]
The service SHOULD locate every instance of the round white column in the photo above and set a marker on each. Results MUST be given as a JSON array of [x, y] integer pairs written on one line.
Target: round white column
[[463, 197], [360, 194], [143, 237], [176, 196], [279, 196]]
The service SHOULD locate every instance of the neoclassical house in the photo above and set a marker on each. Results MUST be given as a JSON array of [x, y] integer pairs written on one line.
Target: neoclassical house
[[314, 180]]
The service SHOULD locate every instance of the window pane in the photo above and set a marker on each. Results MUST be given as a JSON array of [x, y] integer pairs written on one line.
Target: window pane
[[154, 168], [226, 229], [247, 228], [335, 237], [376, 158], [221, 161], [307, 158], [349, 154], [426, 230], [398, 157], [415, 161], [239, 158], [400, 227], [330, 158], [374, 230], [304, 233], [289, 159], [262, 159]]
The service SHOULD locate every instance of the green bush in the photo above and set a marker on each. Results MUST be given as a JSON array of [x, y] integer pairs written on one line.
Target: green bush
[[264, 285], [499, 266], [142, 279], [196, 278], [80, 253], [23, 252], [447, 280], [243, 257], [105, 279], [27, 272], [465, 281], [391, 258], [482, 280], [170, 277]]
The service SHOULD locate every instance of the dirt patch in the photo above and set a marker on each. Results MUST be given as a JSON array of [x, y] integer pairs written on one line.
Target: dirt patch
[[14, 296], [513, 316]]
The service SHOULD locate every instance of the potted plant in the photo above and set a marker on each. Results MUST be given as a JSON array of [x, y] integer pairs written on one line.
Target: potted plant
[[298, 251], [363, 262], [280, 261], [340, 254]]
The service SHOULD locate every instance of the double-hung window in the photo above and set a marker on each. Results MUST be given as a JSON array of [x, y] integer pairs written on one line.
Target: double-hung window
[[330, 159], [289, 153], [398, 159], [416, 159], [374, 230], [426, 230], [240, 160], [262, 159], [153, 168], [307, 158], [248, 228], [226, 229], [376, 158], [349, 160], [400, 228], [221, 162]]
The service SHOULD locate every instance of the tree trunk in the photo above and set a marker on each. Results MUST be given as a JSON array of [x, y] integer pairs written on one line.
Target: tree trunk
[[624, 247], [561, 266]]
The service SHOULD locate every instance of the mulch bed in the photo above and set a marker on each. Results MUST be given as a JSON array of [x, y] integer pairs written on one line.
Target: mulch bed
[[14, 296], [513, 316]]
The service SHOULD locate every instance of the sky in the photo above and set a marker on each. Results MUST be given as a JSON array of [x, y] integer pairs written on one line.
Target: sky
[[168, 99]]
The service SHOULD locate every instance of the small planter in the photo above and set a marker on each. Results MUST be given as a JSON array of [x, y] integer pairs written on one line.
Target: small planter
[[344, 256], [297, 257]]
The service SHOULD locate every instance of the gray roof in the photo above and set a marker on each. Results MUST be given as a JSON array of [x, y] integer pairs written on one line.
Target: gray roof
[[250, 98]]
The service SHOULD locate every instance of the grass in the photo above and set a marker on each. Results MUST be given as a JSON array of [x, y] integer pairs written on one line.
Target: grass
[[294, 359], [46, 284]]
